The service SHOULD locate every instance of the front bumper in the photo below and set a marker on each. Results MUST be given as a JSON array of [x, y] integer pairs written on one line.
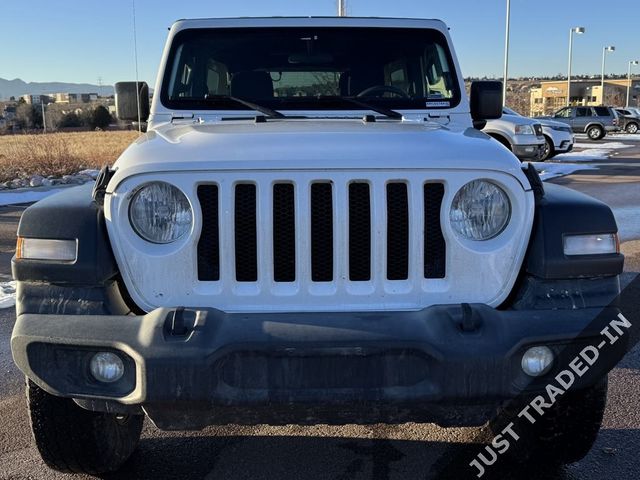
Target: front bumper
[[451, 365], [532, 151]]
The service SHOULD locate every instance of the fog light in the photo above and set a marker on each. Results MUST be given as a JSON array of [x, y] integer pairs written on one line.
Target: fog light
[[106, 367], [536, 361]]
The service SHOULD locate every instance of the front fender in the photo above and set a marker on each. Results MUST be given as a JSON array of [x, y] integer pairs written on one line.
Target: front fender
[[70, 214], [562, 211]]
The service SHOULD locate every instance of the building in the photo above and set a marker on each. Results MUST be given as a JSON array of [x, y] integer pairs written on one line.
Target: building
[[552, 95], [75, 97], [34, 99]]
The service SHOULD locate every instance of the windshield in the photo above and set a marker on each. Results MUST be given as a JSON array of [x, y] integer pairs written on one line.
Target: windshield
[[310, 68]]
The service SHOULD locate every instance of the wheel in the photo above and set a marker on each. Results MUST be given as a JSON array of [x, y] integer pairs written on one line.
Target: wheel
[[71, 439], [567, 430], [548, 151], [632, 127], [595, 132]]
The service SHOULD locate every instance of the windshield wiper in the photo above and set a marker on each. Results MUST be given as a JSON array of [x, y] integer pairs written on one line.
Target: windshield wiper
[[387, 112], [269, 112]]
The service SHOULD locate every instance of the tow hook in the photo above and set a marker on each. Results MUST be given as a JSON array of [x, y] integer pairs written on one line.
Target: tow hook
[[470, 323], [177, 322]]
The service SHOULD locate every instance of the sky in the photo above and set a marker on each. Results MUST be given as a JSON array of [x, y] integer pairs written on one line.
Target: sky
[[82, 41]]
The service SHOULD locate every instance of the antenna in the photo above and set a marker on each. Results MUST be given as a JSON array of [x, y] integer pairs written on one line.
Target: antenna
[[342, 8], [135, 57]]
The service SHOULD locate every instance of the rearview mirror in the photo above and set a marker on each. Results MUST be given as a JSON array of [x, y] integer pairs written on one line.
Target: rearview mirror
[[485, 102], [128, 94]]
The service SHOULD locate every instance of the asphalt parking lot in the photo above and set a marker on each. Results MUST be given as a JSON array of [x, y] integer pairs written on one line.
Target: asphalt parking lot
[[347, 452]]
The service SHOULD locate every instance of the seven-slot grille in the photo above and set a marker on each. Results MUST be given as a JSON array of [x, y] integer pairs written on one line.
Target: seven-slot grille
[[322, 250]]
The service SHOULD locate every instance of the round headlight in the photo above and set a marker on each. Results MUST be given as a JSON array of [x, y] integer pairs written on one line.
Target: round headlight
[[480, 210], [160, 213]]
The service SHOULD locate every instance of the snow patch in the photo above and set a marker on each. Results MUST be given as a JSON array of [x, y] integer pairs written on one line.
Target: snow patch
[[7, 294], [590, 155], [90, 172], [550, 170], [602, 146], [25, 195], [628, 220], [627, 137]]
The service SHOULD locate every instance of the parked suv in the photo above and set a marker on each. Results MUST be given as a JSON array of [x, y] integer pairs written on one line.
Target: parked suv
[[558, 137], [596, 122], [629, 119], [312, 231], [521, 135]]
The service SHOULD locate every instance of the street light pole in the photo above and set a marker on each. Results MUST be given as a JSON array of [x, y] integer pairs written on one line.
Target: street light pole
[[604, 59], [506, 54], [579, 31], [631, 62]]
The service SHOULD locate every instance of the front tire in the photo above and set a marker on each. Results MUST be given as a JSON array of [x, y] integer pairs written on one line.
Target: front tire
[[567, 430], [548, 151], [632, 128], [71, 439], [595, 132]]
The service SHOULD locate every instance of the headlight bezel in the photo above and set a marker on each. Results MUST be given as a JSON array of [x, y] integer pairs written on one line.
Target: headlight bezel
[[140, 231], [497, 232]]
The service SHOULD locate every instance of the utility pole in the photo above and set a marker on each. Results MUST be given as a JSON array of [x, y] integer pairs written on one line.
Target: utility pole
[[506, 55], [44, 119], [342, 8]]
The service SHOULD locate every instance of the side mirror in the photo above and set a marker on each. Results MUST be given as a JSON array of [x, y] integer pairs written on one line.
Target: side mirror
[[128, 94], [485, 102]]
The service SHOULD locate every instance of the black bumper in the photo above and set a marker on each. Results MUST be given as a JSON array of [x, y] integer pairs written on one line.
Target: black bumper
[[451, 365]]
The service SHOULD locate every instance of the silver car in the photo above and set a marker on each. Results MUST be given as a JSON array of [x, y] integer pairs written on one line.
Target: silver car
[[558, 137]]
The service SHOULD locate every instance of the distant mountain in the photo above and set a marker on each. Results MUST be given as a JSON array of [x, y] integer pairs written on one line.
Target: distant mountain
[[17, 87]]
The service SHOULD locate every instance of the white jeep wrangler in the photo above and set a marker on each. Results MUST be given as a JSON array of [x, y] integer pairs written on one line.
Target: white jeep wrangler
[[313, 230]]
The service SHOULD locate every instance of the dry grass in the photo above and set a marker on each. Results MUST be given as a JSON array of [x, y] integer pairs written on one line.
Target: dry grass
[[59, 153]]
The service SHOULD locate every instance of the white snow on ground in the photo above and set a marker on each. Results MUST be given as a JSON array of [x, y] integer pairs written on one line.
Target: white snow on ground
[[602, 146], [550, 170], [590, 155], [7, 294], [90, 172], [28, 195], [628, 220], [590, 152], [627, 137]]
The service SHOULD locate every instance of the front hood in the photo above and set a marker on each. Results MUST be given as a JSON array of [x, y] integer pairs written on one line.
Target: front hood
[[547, 122], [312, 145]]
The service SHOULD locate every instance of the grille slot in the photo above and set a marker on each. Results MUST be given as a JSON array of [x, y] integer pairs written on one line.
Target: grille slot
[[209, 242], [359, 232], [321, 232], [397, 232], [434, 244], [284, 233], [245, 233]]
